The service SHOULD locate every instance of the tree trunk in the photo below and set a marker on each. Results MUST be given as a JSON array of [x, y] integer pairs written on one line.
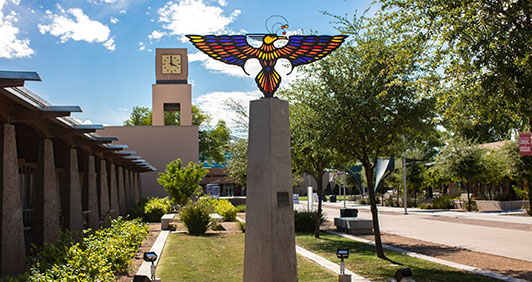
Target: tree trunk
[[319, 182], [469, 207], [374, 214]]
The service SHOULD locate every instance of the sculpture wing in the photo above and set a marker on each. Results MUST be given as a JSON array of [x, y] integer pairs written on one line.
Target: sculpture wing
[[230, 49], [302, 50]]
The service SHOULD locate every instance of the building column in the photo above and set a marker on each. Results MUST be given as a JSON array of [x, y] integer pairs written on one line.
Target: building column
[[12, 248], [72, 207], [136, 186], [121, 191], [131, 188], [45, 223], [104, 190], [139, 185], [127, 190], [115, 207], [94, 215]]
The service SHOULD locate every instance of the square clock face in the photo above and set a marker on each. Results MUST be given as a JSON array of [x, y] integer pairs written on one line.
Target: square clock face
[[171, 64]]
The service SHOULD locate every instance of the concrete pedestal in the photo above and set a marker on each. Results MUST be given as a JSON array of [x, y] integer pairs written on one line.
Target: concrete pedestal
[[72, 210], [12, 252], [270, 253]]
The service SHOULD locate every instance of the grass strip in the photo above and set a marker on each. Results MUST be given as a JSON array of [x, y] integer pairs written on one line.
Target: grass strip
[[218, 257], [363, 261]]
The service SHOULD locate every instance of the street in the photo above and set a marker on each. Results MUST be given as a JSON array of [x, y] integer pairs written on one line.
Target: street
[[492, 233]]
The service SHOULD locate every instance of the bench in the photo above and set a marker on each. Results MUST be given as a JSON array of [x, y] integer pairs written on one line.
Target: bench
[[354, 225], [166, 219]]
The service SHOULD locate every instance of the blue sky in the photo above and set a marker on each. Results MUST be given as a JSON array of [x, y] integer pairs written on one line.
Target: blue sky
[[100, 54]]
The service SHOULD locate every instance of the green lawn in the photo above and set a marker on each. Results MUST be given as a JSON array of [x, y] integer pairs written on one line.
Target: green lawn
[[221, 258], [363, 261], [218, 258]]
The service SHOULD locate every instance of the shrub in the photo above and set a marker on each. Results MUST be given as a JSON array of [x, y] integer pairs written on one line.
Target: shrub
[[242, 225], [196, 218], [443, 202], [155, 208], [527, 208], [425, 206], [241, 208], [100, 256], [182, 182], [137, 211], [361, 202], [222, 207], [305, 221]]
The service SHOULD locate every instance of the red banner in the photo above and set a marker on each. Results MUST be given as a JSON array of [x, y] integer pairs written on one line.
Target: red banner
[[525, 149]]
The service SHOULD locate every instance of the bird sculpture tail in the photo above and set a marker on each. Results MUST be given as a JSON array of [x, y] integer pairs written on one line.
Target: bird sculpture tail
[[268, 80]]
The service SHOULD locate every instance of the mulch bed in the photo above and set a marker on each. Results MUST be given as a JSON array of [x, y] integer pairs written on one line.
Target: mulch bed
[[147, 243]]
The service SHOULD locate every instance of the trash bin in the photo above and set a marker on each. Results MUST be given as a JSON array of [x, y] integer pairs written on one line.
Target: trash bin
[[348, 212], [332, 198]]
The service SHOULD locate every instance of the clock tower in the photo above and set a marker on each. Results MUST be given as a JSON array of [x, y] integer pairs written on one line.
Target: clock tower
[[171, 92]]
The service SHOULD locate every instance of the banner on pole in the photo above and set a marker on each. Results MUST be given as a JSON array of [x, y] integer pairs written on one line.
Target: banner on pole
[[525, 149]]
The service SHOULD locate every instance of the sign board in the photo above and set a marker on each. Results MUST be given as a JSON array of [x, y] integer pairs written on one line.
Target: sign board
[[213, 190], [296, 199], [525, 149]]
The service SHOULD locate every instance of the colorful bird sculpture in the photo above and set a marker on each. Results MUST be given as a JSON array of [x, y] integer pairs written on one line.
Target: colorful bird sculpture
[[235, 50]]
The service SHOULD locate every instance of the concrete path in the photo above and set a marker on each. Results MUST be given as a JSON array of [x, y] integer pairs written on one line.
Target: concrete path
[[157, 247], [424, 225], [328, 264]]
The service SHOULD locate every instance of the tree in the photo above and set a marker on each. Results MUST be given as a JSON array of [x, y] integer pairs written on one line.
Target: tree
[[519, 167], [366, 97], [212, 140], [309, 155], [485, 51], [182, 182], [139, 116], [213, 143], [238, 164], [462, 161]]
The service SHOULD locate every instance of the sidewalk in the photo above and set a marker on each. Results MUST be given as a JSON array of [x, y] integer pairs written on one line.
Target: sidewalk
[[501, 216]]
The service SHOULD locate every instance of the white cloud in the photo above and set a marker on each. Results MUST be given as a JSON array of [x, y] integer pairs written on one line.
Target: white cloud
[[213, 104], [122, 12], [195, 17], [113, 20], [87, 121], [74, 24], [252, 66], [10, 45], [222, 3], [156, 35]]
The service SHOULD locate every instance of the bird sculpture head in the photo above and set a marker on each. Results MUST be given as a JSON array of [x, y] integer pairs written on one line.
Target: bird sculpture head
[[271, 38]]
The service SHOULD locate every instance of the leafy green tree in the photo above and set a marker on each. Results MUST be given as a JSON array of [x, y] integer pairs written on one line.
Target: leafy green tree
[[182, 182], [462, 161], [213, 143], [237, 168], [519, 167], [307, 138], [367, 97], [139, 116], [485, 51]]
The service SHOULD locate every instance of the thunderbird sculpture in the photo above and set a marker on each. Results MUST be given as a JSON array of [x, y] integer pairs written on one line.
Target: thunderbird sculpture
[[235, 50]]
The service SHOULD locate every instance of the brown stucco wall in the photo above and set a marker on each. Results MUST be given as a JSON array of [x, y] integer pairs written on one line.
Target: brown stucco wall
[[158, 145]]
